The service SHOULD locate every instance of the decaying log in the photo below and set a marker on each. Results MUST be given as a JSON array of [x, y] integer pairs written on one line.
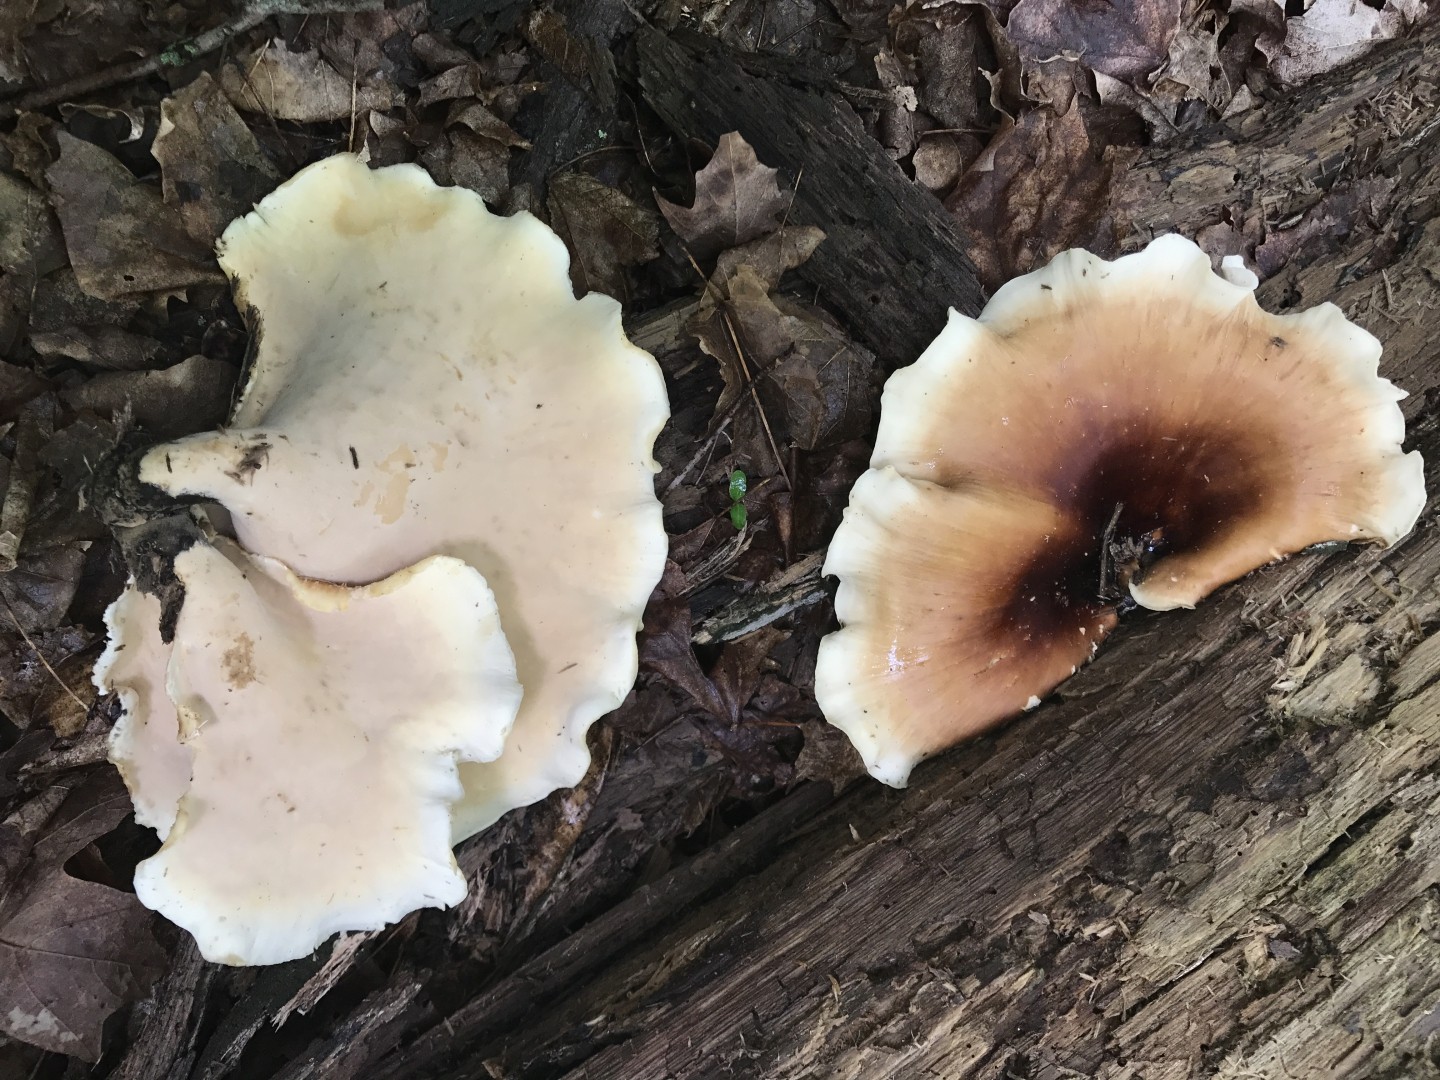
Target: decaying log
[[1215, 854]]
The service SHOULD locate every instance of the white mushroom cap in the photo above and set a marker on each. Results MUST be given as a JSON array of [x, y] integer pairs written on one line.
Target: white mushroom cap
[[145, 741], [1145, 405], [426, 383], [325, 723]]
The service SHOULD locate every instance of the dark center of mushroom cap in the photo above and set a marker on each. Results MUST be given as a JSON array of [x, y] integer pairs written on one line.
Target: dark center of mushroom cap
[[1135, 492]]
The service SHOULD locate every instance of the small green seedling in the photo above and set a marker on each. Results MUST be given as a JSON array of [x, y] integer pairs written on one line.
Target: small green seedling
[[738, 485]]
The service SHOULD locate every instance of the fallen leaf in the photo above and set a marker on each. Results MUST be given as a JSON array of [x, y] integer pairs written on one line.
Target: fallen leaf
[[374, 47], [736, 200], [38, 592], [120, 236], [828, 756], [69, 40], [14, 21], [480, 164], [299, 86], [461, 81], [193, 395], [1334, 32], [1193, 71], [106, 347], [822, 382], [30, 241], [25, 680], [665, 645], [482, 121], [604, 230], [1125, 39], [1044, 190], [17, 386], [737, 674], [211, 166], [577, 56], [33, 427], [768, 258], [948, 54], [71, 951], [940, 159]]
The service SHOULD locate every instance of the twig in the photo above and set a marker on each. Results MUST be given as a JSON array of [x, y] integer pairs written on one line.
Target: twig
[[41, 656], [1105, 541], [250, 16], [744, 369]]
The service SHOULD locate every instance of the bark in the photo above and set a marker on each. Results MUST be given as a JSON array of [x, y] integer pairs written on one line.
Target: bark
[[1217, 853]]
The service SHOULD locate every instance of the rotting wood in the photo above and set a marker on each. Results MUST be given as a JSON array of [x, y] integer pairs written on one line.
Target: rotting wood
[[1160, 876]]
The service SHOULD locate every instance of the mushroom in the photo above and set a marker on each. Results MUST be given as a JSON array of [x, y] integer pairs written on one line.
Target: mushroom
[[1104, 434], [427, 383], [324, 753], [145, 741]]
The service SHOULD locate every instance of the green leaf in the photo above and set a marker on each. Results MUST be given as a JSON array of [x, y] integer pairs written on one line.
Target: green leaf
[[738, 516]]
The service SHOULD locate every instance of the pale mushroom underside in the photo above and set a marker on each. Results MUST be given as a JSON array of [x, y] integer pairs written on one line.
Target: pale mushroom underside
[[145, 741], [1134, 428], [324, 754], [426, 383]]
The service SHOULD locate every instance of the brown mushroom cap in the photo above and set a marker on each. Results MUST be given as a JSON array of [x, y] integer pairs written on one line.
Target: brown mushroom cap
[[1167, 435]]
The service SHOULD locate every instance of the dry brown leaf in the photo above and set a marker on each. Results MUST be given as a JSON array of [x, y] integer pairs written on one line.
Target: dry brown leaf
[[482, 121], [462, 81], [813, 380], [193, 395], [736, 200], [665, 645], [1126, 39], [480, 164], [120, 236], [38, 592], [374, 47], [1334, 32], [300, 86], [1045, 190], [100, 346], [211, 166], [71, 951], [14, 21], [829, 756], [604, 229], [30, 241], [768, 258]]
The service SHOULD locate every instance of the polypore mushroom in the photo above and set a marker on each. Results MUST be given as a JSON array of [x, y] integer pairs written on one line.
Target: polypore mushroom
[[324, 752], [145, 742], [1134, 429], [427, 383]]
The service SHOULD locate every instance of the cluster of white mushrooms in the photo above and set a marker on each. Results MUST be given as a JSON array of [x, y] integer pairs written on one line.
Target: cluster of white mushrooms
[[439, 478], [439, 483]]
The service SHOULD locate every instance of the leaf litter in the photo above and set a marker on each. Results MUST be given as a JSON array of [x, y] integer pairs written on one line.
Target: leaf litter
[[116, 330]]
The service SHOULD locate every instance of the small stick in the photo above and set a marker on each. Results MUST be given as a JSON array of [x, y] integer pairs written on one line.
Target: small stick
[[41, 656], [1106, 540], [250, 16], [744, 370]]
